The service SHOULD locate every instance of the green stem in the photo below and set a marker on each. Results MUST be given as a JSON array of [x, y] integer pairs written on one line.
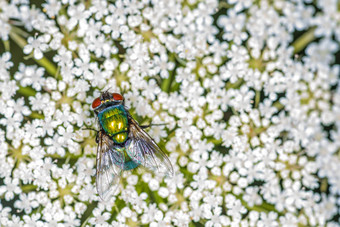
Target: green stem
[[304, 40], [26, 91], [6, 45], [71, 157], [224, 5], [257, 98], [19, 31], [85, 222], [279, 106], [28, 188], [166, 84], [180, 60], [44, 62], [236, 85], [324, 185], [36, 115], [17, 39], [49, 66], [215, 141], [67, 159], [88, 212], [264, 207]]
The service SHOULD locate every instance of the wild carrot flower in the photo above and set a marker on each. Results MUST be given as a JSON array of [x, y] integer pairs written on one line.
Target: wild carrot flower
[[248, 94]]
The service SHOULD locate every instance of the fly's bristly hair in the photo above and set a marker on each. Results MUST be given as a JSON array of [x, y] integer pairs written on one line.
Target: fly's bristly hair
[[105, 95], [105, 92]]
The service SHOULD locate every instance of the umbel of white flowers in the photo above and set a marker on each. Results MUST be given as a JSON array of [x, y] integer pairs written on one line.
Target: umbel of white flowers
[[246, 95]]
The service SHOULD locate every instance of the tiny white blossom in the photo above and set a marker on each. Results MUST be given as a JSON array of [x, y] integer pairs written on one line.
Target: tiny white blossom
[[38, 45]]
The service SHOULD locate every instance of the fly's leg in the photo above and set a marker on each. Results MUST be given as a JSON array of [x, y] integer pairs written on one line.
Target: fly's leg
[[144, 126], [149, 125], [97, 135]]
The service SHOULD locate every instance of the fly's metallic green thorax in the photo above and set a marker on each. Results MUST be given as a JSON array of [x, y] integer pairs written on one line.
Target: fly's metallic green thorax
[[115, 123]]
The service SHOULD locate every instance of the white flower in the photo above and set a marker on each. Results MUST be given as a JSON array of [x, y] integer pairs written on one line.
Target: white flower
[[151, 213], [233, 25], [216, 219], [33, 220], [5, 29], [180, 219], [99, 218], [38, 45], [30, 76], [268, 219], [10, 189], [77, 14], [5, 65], [52, 7], [26, 202], [4, 214]]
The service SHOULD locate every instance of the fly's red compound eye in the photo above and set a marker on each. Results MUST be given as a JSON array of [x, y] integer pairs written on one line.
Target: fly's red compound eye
[[117, 96], [96, 103]]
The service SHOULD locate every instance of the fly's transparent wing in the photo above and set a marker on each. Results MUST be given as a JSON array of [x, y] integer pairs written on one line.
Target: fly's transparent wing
[[143, 150], [110, 161]]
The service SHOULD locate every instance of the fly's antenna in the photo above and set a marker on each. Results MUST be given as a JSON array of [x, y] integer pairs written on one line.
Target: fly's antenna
[[105, 94]]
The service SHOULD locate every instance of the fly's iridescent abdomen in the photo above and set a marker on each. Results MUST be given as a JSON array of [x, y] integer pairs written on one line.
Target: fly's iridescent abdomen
[[125, 162], [115, 123], [129, 163]]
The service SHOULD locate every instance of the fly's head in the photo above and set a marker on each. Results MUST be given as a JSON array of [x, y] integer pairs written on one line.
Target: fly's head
[[106, 99]]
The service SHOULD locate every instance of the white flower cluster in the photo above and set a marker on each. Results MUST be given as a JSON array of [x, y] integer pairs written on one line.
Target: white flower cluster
[[249, 92]]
